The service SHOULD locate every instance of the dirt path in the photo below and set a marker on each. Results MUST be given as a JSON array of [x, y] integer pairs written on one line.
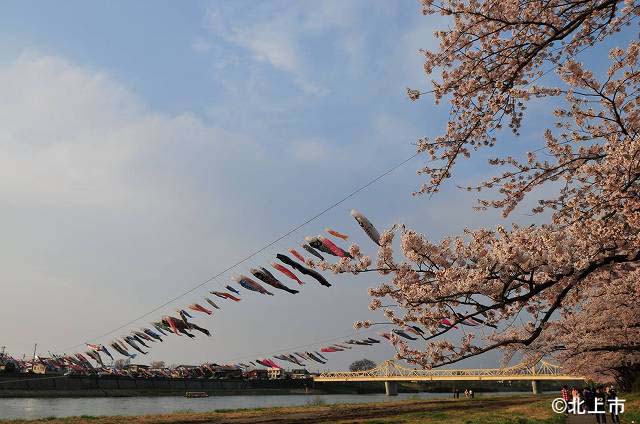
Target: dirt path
[[348, 412], [584, 419]]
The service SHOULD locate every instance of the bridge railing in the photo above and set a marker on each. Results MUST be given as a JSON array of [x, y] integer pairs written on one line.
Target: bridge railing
[[391, 369]]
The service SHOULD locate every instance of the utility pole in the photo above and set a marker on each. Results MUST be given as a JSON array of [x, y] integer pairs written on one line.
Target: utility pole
[[35, 346]]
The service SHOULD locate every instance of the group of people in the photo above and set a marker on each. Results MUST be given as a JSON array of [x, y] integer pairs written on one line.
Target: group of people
[[592, 400], [468, 393]]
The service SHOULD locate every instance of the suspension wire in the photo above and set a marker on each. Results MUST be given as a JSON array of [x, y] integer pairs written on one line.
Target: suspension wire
[[253, 254], [256, 355], [333, 339], [288, 233]]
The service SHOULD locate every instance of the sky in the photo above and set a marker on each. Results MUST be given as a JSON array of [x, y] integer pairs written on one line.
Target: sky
[[147, 146]]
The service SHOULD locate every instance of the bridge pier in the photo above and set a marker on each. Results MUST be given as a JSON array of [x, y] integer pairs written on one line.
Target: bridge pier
[[534, 386], [391, 388]]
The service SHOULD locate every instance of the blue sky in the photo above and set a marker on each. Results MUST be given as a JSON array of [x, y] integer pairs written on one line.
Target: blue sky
[[147, 146]]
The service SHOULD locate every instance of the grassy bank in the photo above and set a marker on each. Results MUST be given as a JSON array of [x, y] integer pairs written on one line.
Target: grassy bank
[[507, 410], [439, 387], [521, 410]]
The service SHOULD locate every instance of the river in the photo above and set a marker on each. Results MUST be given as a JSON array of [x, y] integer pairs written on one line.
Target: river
[[30, 408]]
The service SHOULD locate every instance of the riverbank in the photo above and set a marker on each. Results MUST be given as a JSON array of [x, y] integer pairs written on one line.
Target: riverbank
[[59, 386], [98, 393], [321, 409], [517, 409]]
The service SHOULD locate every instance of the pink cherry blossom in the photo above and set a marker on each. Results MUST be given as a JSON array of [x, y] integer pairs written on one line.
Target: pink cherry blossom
[[568, 289]]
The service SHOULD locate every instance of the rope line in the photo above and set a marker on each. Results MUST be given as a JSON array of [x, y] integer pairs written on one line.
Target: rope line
[[253, 254], [288, 233], [257, 355]]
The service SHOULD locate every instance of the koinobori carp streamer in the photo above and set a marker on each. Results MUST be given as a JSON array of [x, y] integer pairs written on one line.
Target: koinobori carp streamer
[[367, 226], [286, 272], [337, 234], [304, 270], [264, 275]]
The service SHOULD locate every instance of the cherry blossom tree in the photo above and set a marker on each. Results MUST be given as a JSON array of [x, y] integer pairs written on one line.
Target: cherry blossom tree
[[568, 289], [362, 365]]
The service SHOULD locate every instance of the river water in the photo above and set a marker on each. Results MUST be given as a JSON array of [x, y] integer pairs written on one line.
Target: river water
[[29, 408]]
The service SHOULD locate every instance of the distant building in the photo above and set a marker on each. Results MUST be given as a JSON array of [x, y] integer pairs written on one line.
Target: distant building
[[43, 366], [256, 374], [186, 371], [226, 372], [39, 368], [299, 374], [275, 373], [136, 368]]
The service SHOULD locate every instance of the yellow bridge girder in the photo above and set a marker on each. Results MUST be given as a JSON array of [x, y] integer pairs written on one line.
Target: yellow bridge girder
[[390, 371]]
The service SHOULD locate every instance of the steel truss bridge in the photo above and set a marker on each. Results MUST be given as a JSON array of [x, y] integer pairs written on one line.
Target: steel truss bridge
[[391, 373]]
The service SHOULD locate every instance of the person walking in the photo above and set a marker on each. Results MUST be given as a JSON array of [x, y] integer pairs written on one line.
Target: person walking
[[566, 397], [588, 398], [599, 406], [611, 396], [575, 397]]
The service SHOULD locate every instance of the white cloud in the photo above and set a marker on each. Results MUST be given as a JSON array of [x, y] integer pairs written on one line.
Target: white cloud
[[276, 36], [267, 43], [201, 45], [74, 135], [109, 208], [63, 130], [310, 150], [96, 190], [418, 37]]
